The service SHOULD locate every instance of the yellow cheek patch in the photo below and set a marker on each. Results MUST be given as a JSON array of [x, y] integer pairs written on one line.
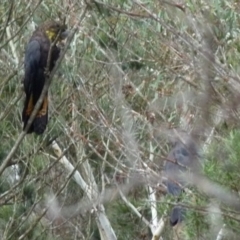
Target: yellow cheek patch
[[43, 110], [51, 35]]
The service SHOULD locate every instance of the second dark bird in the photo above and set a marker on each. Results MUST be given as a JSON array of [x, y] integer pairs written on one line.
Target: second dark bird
[[183, 157], [36, 64]]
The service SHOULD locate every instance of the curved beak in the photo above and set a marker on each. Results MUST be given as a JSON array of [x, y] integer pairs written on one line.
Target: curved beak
[[64, 34]]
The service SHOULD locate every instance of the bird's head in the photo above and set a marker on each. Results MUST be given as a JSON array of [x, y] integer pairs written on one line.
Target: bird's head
[[55, 29]]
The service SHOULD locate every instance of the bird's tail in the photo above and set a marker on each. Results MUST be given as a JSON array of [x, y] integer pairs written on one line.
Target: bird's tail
[[39, 124], [177, 215]]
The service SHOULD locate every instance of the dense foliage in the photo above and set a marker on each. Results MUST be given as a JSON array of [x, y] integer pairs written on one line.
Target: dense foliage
[[134, 73]]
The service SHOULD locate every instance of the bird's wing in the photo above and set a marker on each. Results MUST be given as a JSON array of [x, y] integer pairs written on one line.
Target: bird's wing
[[32, 60]]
